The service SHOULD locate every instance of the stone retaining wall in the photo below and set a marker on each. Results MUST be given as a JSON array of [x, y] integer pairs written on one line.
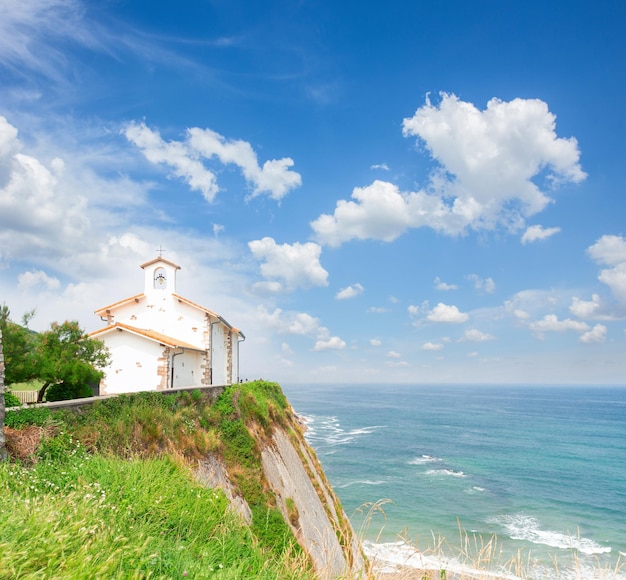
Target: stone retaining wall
[[214, 391]]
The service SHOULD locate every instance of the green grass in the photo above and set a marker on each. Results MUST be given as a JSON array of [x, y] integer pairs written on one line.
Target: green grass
[[111, 492], [97, 517], [33, 385]]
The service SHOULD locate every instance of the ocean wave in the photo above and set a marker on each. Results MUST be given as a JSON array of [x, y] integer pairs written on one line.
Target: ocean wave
[[528, 528], [327, 430], [361, 482], [394, 556], [397, 557], [452, 472], [423, 460], [475, 489]]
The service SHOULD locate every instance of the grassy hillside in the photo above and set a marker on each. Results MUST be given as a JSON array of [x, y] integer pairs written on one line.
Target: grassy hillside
[[108, 491]]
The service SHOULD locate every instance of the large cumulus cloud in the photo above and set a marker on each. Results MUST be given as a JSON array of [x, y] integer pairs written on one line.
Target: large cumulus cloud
[[487, 165]]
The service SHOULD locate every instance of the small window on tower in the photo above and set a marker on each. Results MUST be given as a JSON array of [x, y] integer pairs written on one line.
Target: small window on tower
[[160, 278]]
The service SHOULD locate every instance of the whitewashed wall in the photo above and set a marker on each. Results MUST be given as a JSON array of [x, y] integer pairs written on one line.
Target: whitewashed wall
[[134, 364]]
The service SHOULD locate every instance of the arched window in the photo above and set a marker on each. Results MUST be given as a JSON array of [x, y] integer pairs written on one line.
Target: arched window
[[160, 279]]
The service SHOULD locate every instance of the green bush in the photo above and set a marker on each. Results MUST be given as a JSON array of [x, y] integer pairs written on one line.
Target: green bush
[[27, 416], [66, 391], [10, 400]]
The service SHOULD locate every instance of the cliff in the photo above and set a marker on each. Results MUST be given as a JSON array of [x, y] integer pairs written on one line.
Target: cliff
[[247, 441], [293, 475]]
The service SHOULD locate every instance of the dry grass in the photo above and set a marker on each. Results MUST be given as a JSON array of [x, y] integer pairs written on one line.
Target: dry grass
[[22, 444]]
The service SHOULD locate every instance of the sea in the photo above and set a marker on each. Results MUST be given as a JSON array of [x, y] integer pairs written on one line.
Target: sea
[[515, 481]]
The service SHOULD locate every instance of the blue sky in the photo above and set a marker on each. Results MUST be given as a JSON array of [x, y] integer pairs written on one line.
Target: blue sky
[[398, 191]]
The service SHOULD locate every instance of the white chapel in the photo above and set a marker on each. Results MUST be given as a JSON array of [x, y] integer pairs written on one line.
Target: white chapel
[[159, 340]]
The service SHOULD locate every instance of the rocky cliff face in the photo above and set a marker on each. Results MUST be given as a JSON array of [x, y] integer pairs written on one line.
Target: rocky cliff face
[[305, 498], [310, 506]]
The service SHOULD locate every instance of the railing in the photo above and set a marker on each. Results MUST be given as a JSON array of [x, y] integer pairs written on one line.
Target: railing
[[26, 396]]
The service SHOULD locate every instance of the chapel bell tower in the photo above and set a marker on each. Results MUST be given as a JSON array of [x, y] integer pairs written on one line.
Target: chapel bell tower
[[160, 276]]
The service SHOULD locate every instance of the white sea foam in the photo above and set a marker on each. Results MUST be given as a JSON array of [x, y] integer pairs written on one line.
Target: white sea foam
[[361, 482], [474, 489], [327, 430], [392, 556], [523, 527], [451, 472], [423, 460]]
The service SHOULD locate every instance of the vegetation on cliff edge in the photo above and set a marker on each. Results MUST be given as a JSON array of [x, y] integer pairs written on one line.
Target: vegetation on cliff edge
[[107, 490]]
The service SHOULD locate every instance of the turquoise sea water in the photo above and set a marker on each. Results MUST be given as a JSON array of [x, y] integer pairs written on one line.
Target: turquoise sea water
[[542, 469]]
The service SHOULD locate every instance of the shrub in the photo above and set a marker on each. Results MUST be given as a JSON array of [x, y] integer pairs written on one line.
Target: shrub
[[10, 400], [65, 391], [27, 416]]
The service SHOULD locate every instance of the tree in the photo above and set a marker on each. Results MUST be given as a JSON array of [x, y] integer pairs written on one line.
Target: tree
[[65, 354], [62, 355], [19, 348], [3, 449]]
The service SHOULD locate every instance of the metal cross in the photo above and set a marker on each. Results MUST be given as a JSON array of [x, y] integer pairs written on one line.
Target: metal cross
[[160, 250]]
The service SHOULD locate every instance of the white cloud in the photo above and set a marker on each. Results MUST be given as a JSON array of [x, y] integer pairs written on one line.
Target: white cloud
[[294, 265], [432, 346], [274, 178], [302, 324], [380, 212], [445, 313], [299, 323], [439, 285], [551, 323], [485, 284], [585, 308], [28, 280], [534, 233], [474, 335], [532, 303], [494, 154], [29, 29], [615, 279], [610, 251], [37, 217], [597, 335], [332, 343], [382, 166], [286, 349], [176, 155], [393, 354], [217, 229], [349, 292], [378, 309], [487, 159], [375, 342], [415, 310]]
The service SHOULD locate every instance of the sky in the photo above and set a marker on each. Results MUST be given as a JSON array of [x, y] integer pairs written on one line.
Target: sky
[[373, 192]]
